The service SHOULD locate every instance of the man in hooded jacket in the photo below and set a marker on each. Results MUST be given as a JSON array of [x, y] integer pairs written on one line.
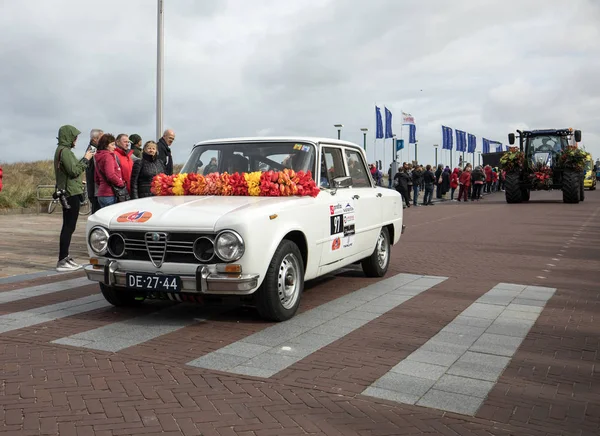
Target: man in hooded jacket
[[68, 171]]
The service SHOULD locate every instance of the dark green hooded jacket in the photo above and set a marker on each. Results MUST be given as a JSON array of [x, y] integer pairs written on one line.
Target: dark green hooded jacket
[[68, 171]]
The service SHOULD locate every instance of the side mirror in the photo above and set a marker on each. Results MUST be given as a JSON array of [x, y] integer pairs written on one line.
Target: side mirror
[[577, 135], [342, 182], [511, 138]]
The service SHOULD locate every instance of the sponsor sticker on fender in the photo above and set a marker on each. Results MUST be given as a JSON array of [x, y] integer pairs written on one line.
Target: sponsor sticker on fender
[[135, 217]]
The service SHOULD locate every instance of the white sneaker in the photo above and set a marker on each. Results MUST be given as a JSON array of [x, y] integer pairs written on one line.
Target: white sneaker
[[65, 266], [71, 262]]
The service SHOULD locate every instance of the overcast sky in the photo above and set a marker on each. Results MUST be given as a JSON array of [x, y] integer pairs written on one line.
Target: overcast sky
[[296, 67]]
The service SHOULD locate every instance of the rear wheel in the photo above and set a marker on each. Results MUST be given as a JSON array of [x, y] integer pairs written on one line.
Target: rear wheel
[[512, 190], [377, 264], [119, 297], [570, 187], [525, 194], [581, 191], [278, 298]]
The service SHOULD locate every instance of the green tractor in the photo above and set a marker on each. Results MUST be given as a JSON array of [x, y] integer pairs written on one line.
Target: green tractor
[[544, 160]]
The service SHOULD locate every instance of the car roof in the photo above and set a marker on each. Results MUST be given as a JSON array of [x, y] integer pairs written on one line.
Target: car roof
[[311, 139]]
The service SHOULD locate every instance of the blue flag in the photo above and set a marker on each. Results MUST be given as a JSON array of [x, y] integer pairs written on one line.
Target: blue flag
[[388, 124], [378, 124], [399, 144], [412, 134], [486, 145], [461, 140], [498, 145], [447, 138], [472, 144]]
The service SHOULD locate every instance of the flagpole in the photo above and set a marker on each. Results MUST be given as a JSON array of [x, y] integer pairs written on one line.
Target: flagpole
[[159, 69]]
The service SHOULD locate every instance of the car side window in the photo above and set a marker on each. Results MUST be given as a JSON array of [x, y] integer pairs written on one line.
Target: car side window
[[357, 169], [332, 166]]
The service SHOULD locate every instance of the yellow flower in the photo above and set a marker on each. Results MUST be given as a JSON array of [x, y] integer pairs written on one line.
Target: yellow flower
[[178, 184], [253, 181]]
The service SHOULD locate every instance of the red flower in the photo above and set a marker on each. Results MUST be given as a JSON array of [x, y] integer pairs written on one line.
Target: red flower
[[238, 184]]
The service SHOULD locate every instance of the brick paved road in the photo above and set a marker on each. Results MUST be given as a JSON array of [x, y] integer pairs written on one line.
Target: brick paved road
[[532, 268]]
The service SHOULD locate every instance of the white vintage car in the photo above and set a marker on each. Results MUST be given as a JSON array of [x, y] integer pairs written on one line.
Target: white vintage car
[[263, 249]]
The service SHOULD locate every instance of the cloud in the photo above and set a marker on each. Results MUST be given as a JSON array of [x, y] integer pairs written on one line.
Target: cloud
[[267, 67]]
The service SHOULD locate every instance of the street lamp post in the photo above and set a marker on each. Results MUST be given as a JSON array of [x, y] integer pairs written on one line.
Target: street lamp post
[[478, 158], [417, 151], [339, 129], [436, 149], [364, 130], [159, 69]]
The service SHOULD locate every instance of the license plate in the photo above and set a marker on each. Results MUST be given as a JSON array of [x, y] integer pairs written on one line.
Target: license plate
[[153, 282]]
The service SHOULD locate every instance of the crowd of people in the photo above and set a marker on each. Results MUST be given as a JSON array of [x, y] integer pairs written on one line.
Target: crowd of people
[[116, 169], [411, 179]]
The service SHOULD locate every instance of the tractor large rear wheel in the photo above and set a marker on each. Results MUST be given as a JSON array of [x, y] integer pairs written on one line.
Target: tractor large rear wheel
[[512, 190], [570, 187]]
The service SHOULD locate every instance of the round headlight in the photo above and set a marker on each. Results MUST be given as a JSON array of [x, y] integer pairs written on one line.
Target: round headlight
[[229, 246], [98, 240], [116, 245]]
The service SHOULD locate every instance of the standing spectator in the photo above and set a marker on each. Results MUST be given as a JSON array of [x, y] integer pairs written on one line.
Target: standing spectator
[[487, 170], [0, 179], [429, 180], [164, 150], [376, 174], [494, 179], [390, 178], [479, 178], [454, 182], [445, 181], [124, 159], [68, 171], [108, 171], [438, 181], [417, 179], [410, 181], [92, 189], [144, 170], [464, 182], [136, 145], [401, 183]]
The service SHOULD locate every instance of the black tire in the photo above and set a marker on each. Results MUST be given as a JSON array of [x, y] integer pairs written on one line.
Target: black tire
[[512, 190], [570, 187], [118, 297], [278, 297], [525, 194], [377, 264], [581, 191]]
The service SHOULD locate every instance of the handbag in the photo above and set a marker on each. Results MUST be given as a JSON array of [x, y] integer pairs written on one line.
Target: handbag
[[121, 193]]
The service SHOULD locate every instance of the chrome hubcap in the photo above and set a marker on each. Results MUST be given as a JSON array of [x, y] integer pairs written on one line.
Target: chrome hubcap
[[382, 250], [288, 283]]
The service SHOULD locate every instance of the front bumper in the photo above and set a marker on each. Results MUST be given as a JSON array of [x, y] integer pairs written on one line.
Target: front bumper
[[204, 282]]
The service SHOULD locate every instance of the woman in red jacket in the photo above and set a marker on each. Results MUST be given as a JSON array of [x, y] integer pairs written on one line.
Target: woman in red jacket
[[465, 182], [454, 182], [107, 172]]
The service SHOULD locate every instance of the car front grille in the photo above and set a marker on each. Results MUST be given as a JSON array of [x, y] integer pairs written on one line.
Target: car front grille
[[163, 247]]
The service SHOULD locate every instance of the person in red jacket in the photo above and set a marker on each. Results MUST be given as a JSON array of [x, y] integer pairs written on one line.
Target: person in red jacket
[[488, 179], [454, 182], [107, 172], [494, 179], [464, 182], [124, 159]]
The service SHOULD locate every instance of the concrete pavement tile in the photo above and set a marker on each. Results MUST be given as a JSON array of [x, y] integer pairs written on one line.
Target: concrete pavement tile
[[479, 366], [439, 359], [386, 394], [404, 383], [419, 369], [485, 311], [464, 385], [451, 402], [499, 345]]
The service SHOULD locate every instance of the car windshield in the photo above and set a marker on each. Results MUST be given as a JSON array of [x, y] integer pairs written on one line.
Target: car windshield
[[589, 166], [546, 144], [250, 157]]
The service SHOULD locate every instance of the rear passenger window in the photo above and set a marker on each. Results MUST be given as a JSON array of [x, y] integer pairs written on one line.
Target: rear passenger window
[[332, 166], [357, 169]]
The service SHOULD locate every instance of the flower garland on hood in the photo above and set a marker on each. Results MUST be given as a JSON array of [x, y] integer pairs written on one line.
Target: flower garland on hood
[[284, 183]]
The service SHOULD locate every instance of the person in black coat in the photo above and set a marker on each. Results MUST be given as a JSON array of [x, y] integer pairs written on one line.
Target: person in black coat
[[144, 170], [164, 150], [401, 183]]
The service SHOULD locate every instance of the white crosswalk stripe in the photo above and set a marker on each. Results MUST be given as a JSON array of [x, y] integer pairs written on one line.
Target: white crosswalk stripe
[[52, 312], [269, 351], [49, 288], [457, 368]]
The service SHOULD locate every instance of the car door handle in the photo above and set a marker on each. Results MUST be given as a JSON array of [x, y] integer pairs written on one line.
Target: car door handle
[[355, 197], [379, 194]]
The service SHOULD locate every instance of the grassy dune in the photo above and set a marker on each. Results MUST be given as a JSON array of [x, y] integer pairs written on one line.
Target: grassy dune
[[20, 181]]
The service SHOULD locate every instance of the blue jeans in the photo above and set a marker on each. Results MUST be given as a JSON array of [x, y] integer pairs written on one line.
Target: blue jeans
[[106, 201], [415, 194], [428, 195]]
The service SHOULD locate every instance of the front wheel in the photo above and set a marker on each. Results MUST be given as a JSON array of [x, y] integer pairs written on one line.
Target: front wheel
[[278, 298], [512, 188], [118, 297], [570, 187], [377, 264]]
